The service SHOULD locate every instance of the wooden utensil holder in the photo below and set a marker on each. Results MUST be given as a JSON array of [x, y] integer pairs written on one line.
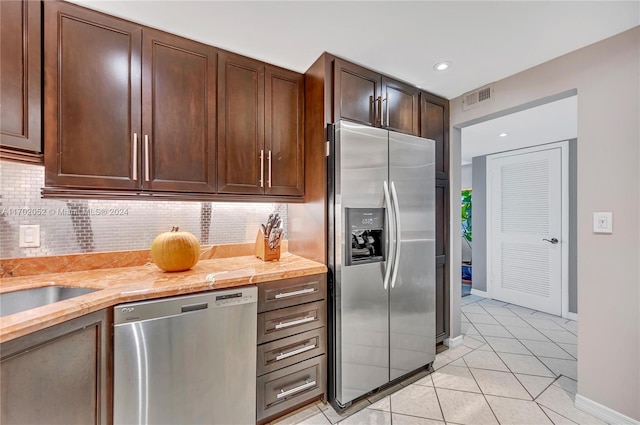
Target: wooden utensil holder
[[262, 250]]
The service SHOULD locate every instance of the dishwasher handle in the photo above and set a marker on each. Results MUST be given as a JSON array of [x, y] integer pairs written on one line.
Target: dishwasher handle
[[194, 307]]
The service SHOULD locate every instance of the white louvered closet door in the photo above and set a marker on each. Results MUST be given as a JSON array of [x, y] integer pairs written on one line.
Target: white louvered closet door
[[526, 209]]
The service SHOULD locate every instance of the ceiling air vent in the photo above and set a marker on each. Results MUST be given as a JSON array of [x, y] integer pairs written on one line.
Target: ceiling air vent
[[477, 97]]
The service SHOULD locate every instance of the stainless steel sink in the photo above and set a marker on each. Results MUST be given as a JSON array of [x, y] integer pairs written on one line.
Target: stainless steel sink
[[14, 302]]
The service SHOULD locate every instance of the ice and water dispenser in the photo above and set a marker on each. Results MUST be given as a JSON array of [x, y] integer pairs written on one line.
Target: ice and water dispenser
[[365, 226]]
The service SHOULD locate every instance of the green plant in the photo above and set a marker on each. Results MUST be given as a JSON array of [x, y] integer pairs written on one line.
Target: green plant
[[465, 218]]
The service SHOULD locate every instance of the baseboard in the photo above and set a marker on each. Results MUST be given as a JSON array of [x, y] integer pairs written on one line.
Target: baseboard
[[479, 293], [603, 412], [572, 316], [454, 342]]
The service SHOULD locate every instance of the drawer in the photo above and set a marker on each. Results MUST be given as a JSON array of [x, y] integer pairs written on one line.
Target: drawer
[[283, 389], [289, 292], [291, 350], [289, 321]]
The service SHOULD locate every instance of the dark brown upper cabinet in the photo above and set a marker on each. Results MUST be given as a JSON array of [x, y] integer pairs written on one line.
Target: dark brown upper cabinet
[[284, 131], [356, 93], [369, 98], [260, 128], [434, 124], [130, 108], [241, 156], [20, 81], [126, 108], [92, 99], [400, 103], [178, 114]]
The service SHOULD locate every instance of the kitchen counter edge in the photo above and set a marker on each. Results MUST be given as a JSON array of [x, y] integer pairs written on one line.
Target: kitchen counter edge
[[127, 284]]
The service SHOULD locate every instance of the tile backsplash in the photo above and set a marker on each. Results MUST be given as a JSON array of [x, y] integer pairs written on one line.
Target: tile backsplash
[[78, 226]]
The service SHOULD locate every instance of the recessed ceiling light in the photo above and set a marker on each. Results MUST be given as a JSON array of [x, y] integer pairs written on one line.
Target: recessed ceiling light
[[441, 66], [503, 134]]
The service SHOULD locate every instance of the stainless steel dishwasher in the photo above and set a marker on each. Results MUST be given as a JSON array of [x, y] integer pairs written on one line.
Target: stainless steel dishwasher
[[186, 360]]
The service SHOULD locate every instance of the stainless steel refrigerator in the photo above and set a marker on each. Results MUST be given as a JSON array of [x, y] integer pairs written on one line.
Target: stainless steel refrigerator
[[381, 255]]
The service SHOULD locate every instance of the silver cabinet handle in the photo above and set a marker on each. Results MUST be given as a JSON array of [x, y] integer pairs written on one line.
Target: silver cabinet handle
[[382, 113], [380, 110], [135, 156], [283, 356], [146, 157], [396, 208], [262, 168], [372, 110], [282, 325], [294, 293], [387, 100], [302, 387], [269, 181], [390, 255]]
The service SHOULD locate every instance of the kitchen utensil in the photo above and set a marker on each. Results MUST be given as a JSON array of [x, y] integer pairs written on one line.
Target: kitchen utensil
[[269, 226]]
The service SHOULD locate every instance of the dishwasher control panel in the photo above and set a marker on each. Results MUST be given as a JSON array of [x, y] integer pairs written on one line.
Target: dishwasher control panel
[[186, 304], [240, 297]]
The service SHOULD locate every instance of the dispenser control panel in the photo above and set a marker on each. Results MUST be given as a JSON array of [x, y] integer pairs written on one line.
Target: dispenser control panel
[[366, 231]]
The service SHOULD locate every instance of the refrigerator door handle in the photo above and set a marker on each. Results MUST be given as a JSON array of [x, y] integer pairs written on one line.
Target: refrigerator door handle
[[390, 257], [396, 208]]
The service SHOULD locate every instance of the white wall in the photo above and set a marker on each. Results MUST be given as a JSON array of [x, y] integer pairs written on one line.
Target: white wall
[[607, 78], [466, 179]]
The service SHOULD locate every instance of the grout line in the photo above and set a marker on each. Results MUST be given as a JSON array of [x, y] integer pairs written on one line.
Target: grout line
[[525, 388], [563, 349], [554, 377], [435, 390], [391, 407], [559, 414], [547, 357], [543, 364], [482, 392], [476, 339], [544, 413]]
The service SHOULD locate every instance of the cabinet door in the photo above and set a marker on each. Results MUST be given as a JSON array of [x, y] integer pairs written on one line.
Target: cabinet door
[[59, 375], [284, 132], [434, 124], [400, 107], [20, 76], [241, 156], [356, 93], [92, 99], [178, 119]]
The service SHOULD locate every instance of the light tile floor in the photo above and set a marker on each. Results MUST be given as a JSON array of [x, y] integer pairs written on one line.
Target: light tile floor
[[516, 366]]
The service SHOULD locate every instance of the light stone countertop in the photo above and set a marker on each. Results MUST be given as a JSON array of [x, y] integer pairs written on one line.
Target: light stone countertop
[[126, 284]]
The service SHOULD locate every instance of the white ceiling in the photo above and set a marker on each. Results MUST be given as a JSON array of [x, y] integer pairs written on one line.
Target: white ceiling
[[548, 123], [485, 40]]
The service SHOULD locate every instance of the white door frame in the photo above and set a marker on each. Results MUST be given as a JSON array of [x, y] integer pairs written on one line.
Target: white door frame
[[564, 237]]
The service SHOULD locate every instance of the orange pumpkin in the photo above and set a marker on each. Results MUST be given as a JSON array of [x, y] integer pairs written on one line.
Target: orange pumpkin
[[175, 251]]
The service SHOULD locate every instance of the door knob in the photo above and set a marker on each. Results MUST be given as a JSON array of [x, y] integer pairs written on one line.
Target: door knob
[[553, 240]]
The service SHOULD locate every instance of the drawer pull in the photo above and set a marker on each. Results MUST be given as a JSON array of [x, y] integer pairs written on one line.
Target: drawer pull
[[283, 356], [294, 293], [302, 387], [282, 325]]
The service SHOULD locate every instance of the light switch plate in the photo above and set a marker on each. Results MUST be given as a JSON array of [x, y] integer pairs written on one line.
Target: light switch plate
[[602, 222], [29, 236]]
